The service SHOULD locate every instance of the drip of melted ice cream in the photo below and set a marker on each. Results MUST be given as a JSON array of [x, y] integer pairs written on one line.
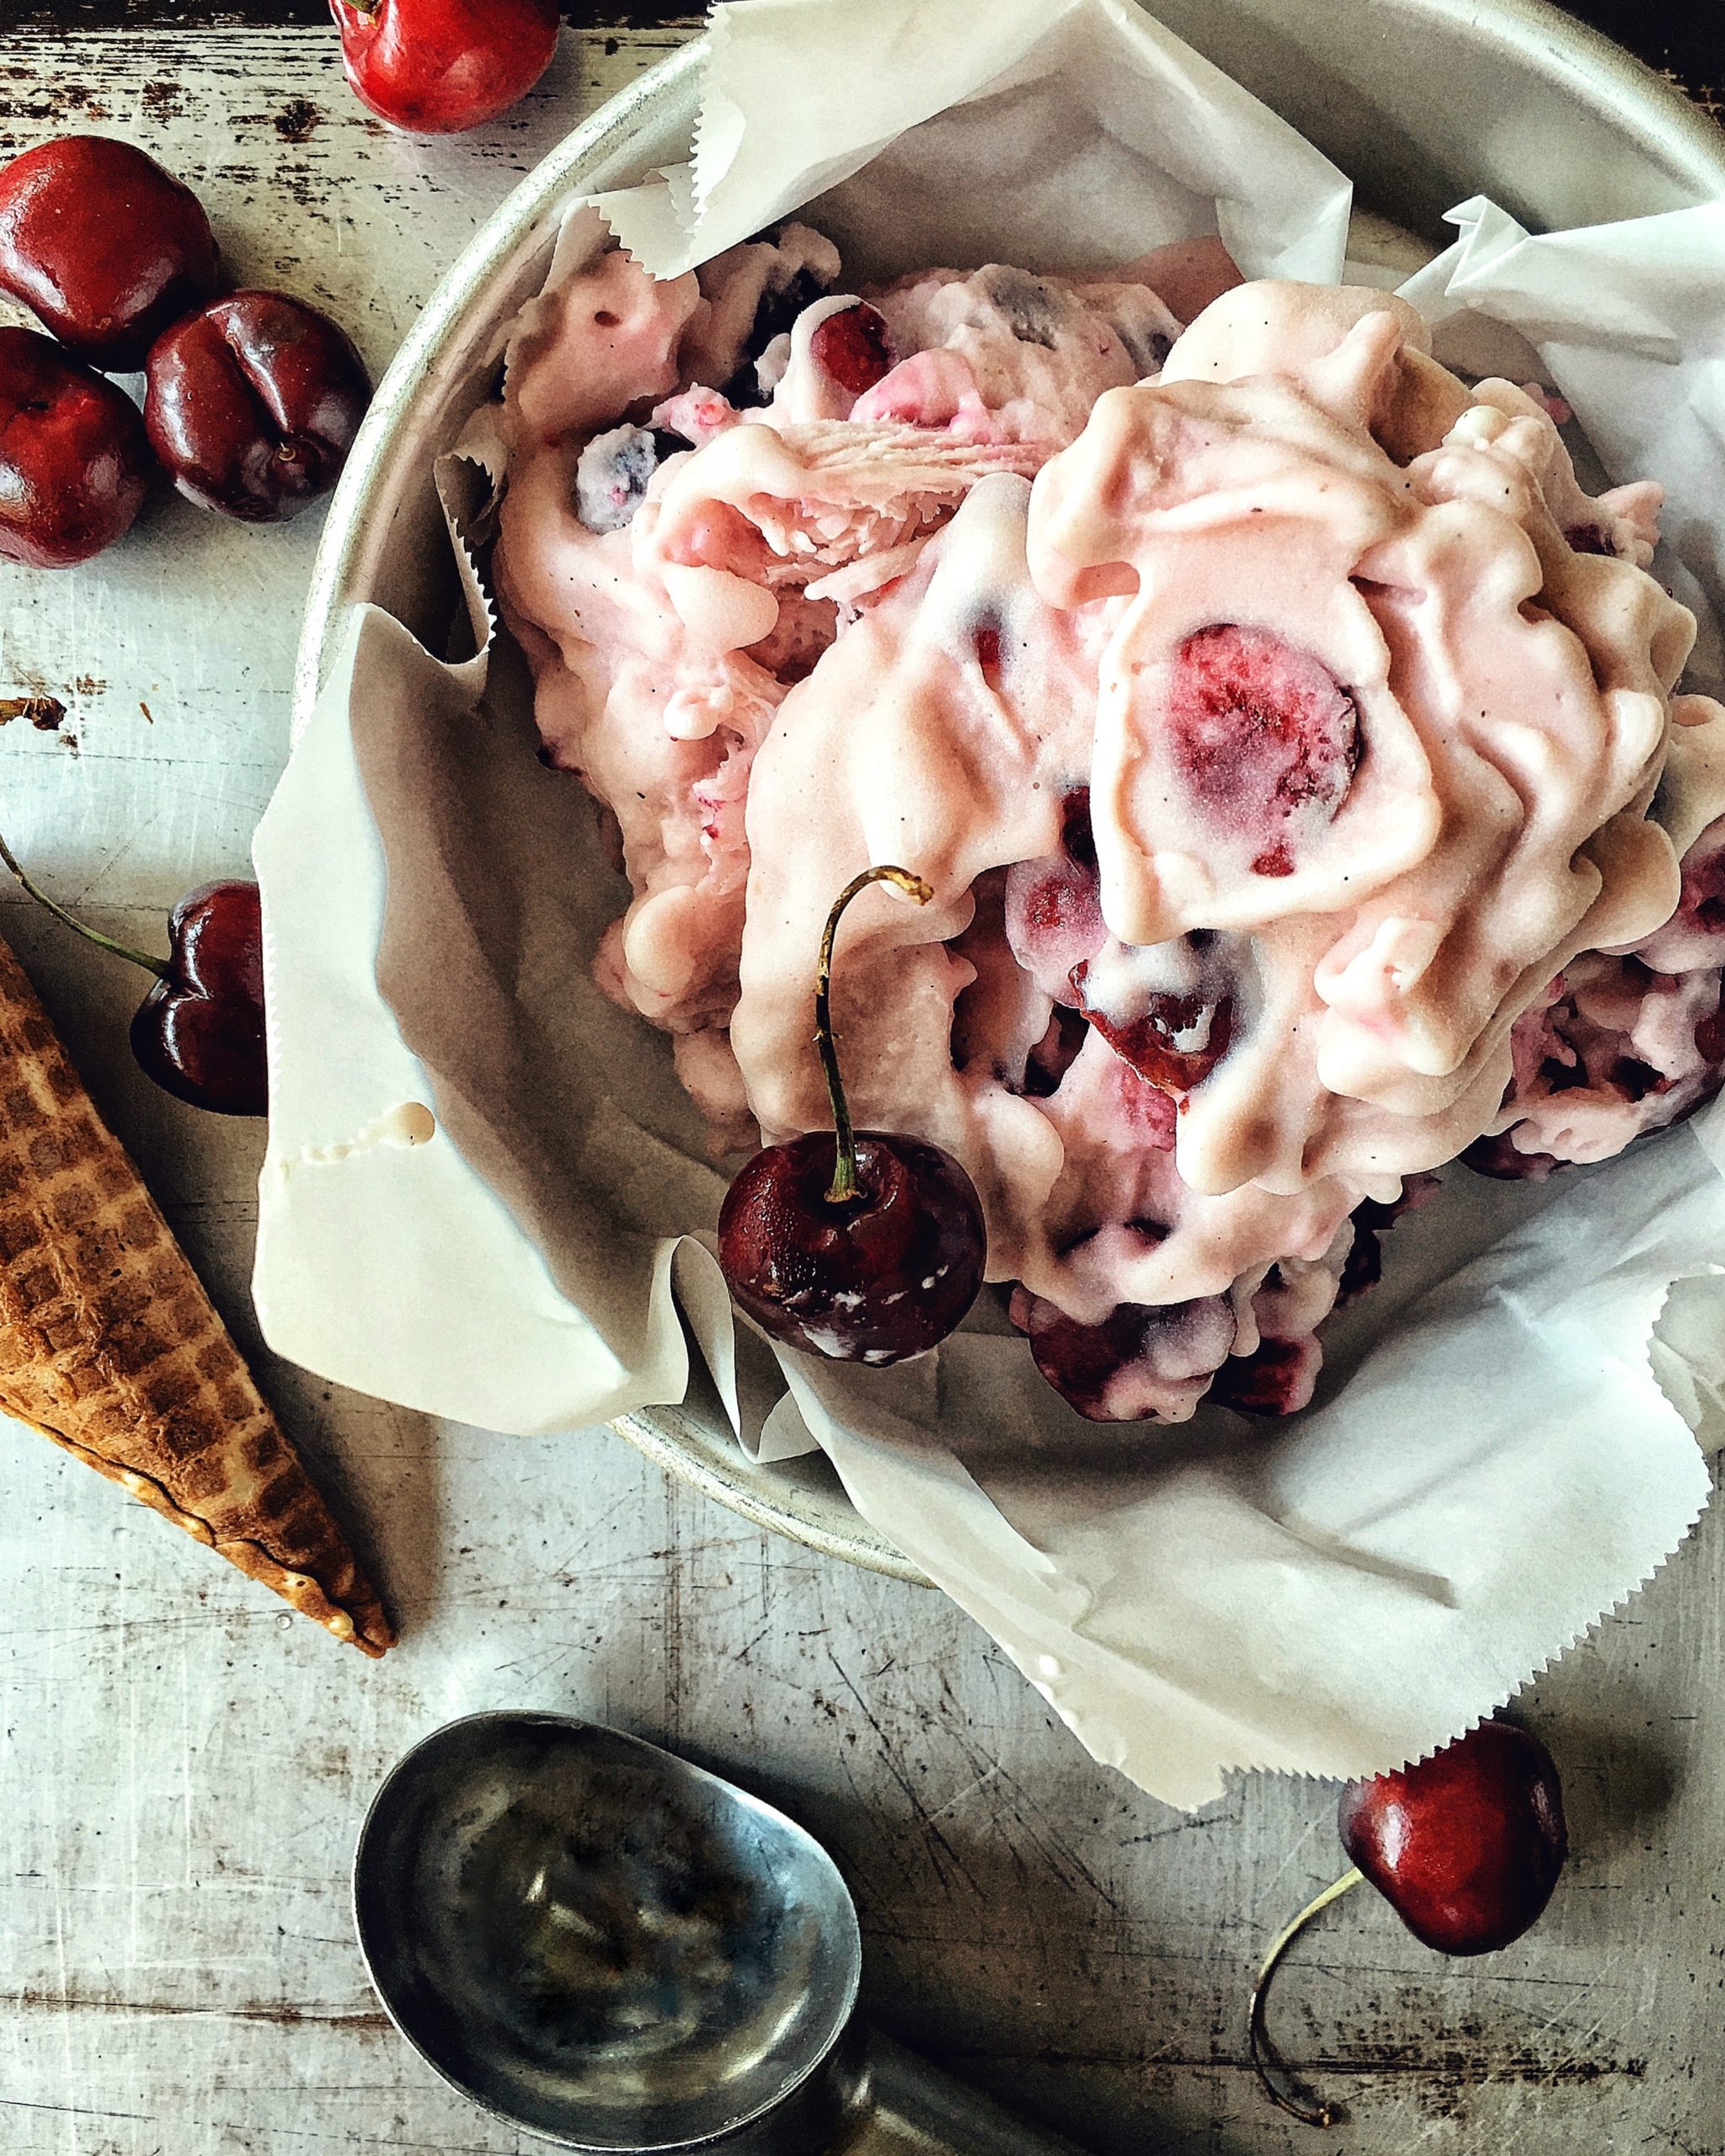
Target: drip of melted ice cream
[[1278, 722]]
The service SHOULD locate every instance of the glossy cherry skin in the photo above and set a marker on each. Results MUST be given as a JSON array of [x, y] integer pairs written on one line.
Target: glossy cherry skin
[[882, 1277], [252, 403], [103, 246], [435, 67], [200, 1032], [1466, 1846], [74, 465]]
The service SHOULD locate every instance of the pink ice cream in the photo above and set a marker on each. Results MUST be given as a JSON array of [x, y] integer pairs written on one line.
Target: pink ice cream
[[1292, 745]]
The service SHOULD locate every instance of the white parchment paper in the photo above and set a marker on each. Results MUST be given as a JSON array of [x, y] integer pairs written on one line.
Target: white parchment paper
[[1333, 1595], [1628, 322]]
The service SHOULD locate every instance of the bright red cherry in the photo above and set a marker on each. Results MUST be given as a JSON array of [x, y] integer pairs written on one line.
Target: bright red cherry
[[252, 403], [1466, 1847], [435, 67], [200, 1032], [103, 245], [853, 347], [74, 465], [1175, 1043], [863, 1246]]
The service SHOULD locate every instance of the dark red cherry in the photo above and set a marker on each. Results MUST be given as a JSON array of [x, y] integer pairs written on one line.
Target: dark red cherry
[[1108, 1371], [200, 1032], [863, 1246], [1465, 1846], [104, 246], [253, 404], [875, 1279], [74, 465], [435, 67], [1277, 1378], [853, 347]]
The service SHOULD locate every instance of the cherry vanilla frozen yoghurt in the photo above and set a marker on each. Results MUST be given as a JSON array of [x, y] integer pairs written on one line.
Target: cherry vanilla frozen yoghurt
[[1293, 747]]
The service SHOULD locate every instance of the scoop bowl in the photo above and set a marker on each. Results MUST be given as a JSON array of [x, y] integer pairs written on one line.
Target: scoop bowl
[[602, 1943], [617, 1951]]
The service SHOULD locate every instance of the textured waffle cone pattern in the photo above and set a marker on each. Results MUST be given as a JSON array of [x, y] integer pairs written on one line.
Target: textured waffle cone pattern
[[109, 1346]]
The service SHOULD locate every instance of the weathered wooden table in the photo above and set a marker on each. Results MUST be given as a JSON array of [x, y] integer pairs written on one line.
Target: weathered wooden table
[[183, 1769]]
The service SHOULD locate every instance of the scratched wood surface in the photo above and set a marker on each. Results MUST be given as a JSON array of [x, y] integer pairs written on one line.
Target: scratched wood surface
[[182, 1771]]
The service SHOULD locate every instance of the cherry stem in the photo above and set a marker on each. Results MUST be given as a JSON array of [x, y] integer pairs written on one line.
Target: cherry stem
[[1279, 2086], [156, 966], [845, 1186]]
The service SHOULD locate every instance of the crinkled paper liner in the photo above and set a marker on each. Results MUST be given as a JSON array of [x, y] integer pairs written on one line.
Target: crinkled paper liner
[[1502, 1451]]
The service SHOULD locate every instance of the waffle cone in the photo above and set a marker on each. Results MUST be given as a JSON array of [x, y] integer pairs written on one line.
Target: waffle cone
[[109, 1346]]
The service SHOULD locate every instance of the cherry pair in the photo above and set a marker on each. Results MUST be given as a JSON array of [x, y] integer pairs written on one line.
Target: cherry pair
[[251, 401]]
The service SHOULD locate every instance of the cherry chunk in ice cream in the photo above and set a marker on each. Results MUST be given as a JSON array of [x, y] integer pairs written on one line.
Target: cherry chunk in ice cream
[[1264, 737], [853, 346]]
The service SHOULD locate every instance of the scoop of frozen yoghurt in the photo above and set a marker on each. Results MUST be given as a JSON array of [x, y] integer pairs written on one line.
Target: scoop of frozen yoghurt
[[1289, 739]]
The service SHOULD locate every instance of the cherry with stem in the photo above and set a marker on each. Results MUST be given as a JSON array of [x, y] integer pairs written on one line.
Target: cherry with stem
[[1465, 1845], [864, 1245], [199, 1033]]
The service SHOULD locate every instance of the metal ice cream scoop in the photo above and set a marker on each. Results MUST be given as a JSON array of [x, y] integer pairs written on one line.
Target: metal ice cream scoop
[[613, 1949]]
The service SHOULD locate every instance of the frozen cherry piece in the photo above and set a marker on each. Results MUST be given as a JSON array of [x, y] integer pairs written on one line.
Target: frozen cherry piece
[[1466, 1846], [74, 464], [1143, 1362], [615, 470], [1264, 737], [863, 1245], [1277, 1378], [252, 403], [200, 1032], [435, 67], [1054, 904], [103, 246], [1175, 1042], [775, 315], [853, 347]]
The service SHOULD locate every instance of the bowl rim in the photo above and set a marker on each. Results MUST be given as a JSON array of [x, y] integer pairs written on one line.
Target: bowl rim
[[1537, 28], [1646, 103]]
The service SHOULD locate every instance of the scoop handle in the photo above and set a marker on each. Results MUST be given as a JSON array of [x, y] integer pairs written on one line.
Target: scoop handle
[[912, 2109]]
